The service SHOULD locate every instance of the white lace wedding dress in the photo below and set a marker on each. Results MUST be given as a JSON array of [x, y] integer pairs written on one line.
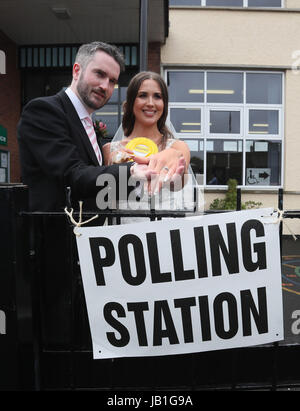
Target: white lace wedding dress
[[166, 201]]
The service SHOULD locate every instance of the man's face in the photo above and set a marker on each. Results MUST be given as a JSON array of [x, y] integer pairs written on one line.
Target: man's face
[[95, 84]]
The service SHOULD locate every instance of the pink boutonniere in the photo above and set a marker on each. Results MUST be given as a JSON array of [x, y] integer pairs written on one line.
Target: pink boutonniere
[[100, 129]]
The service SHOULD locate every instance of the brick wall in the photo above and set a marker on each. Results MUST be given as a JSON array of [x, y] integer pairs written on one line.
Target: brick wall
[[154, 57], [10, 103]]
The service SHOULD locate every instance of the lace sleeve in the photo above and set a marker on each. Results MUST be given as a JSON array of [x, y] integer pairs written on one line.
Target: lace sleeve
[[170, 142], [116, 145], [118, 155]]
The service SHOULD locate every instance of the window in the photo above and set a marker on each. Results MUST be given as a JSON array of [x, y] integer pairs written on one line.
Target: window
[[185, 2], [232, 122], [263, 163], [189, 92], [234, 3], [224, 161], [46, 56], [263, 122], [64, 56], [224, 122], [264, 88], [228, 3], [264, 3], [186, 120], [224, 87], [197, 155], [4, 166]]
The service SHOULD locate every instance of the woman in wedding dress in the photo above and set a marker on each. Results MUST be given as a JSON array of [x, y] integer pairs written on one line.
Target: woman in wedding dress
[[145, 115]]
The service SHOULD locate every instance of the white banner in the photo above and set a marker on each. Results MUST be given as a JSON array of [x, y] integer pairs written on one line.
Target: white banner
[[183, 285]]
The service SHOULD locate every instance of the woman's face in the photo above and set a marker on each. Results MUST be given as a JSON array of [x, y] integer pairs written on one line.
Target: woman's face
[[148, 105]]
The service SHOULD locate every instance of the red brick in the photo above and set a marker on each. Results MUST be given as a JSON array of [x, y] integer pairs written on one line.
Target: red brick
[[154, 57]]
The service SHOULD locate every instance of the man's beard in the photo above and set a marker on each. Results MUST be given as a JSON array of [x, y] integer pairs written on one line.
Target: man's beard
[[83, 91]]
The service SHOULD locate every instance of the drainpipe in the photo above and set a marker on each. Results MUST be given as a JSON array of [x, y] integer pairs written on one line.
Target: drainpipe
[[143, 35]]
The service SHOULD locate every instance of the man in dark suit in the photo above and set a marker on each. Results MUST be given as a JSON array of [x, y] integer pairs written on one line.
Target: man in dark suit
[[56, 153], [58, 150], [53, 133]]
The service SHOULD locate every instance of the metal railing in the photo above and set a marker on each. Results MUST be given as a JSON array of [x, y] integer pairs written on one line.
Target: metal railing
[[48, 330]]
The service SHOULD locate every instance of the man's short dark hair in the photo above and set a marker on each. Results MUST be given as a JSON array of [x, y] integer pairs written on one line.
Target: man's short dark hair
[[86, 52]]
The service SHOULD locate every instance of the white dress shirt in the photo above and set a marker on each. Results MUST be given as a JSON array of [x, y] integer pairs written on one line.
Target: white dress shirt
[[80, 110]]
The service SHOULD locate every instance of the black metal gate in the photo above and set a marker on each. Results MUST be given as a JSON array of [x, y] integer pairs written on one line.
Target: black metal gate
[[47, 343]]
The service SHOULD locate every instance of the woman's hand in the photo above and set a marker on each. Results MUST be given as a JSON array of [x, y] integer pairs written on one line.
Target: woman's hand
[[169, 166]]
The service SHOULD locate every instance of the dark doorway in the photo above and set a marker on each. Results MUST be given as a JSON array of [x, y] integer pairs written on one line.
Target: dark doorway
[[39, 83]]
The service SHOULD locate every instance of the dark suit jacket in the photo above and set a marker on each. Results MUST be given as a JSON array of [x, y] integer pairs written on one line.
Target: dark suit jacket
[[56, 153]]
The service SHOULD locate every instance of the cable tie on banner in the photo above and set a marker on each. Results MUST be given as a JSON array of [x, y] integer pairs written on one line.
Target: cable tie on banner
[[80, 222], [280, 219]]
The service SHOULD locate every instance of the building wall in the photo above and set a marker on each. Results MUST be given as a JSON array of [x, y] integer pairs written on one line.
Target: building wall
[[292, 131], [10, 102], [154, 57], [232, 37], [292, 4], [245, 38]]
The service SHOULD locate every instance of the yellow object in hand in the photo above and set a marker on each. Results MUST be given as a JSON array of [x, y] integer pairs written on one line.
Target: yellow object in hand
[[142, 146]]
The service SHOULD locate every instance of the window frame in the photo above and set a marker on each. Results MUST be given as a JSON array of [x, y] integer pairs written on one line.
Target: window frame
[[244, 109], [225, 135], [270, 187], [195, 106], [222, 186], [4, 150], [245, 5], [270, 136]]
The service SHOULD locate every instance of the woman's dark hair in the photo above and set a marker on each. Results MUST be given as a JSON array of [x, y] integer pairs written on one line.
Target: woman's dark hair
[[132, 91]]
